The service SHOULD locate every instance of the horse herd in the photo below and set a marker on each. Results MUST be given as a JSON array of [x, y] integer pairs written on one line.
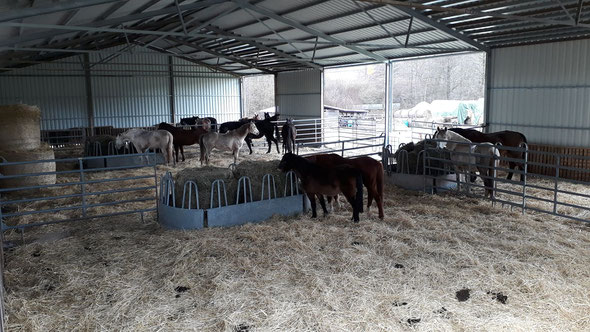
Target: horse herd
[[206, 132], [328, 174]]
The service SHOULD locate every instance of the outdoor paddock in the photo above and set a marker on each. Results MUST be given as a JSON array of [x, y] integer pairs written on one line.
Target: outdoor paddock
[[523, 272]]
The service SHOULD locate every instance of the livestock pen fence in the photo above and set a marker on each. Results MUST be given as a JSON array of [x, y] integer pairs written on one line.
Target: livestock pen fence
[[68, 193], [547, 192], [416, 130]]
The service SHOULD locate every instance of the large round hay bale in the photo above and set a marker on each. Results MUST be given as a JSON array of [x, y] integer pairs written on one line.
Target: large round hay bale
[[19, 127], [204, 177], [44, 152]]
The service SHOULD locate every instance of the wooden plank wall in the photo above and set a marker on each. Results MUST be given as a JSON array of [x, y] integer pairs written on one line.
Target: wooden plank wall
[[570, 161]]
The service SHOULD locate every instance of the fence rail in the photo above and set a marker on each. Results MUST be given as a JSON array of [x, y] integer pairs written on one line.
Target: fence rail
[[548, 193], [79, 194]]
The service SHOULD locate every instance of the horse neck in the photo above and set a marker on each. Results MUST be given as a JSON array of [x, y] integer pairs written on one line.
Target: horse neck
[[457, 138], [243, 130]]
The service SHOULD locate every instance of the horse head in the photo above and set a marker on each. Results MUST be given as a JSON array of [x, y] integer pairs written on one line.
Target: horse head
[[120, 141], [441, 134], [287, 162], [252, 128], [206, 124]]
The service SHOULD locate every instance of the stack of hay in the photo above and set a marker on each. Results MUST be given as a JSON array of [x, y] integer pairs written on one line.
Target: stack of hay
[[20, 140], [204, 177], [415, 165]]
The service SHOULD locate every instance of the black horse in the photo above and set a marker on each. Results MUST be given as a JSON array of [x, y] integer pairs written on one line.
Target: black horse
[[265, 128], [289, 134], [194, 120]]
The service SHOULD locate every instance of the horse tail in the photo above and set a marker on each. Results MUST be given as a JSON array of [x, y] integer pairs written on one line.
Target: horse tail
[[202, 147], [379, 179], [359, 191], [170, 148]]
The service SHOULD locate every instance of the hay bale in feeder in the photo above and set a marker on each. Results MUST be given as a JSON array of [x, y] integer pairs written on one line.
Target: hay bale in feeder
[[44, 152], [256, 170], [103, 140], [204, 177], [19, 127]]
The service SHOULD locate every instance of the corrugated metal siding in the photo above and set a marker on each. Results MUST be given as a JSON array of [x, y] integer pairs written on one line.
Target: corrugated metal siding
[[130, 90], [201, 92], [299, 94], [61, 98], [542, 91]]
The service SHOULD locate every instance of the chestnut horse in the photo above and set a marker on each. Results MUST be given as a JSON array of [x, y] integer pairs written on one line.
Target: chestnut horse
[[506, 138], [184, 137], [371, 169], [195, 121], [318, 180]]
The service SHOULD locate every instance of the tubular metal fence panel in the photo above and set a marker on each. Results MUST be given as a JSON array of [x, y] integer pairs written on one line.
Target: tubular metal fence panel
[[549, 192], [78, 193]]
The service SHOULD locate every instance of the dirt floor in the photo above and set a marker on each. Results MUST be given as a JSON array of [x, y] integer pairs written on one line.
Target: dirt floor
[[435, 263]]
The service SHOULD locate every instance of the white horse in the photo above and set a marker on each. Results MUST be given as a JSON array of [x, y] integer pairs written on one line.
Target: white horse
[[144, 139], [470, 157], [229, 141]]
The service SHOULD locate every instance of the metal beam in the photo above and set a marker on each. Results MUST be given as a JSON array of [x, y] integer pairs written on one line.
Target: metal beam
[[171, 89], [436, 24], [55, 31], [579, 11], [283, 19], [89, 99], [49, 8], [474, 13]]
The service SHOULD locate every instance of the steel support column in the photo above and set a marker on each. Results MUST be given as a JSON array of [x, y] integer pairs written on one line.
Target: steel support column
[[171, 89], [89, 98], [487, 92], [242, 98], [388, 101]]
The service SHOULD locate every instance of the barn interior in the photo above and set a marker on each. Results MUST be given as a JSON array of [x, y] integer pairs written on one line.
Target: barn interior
[[85, 249]]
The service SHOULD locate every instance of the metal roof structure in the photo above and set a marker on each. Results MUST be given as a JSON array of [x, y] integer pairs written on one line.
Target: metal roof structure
[[266, 36]]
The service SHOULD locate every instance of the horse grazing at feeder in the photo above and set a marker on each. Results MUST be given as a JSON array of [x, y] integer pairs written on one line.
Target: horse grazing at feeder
[[196, 121], [265, 128], [289, 134], [144, 139], [232, 141], [468, 157], [318, 180], [184, 137], [506, 138], [371, 169]]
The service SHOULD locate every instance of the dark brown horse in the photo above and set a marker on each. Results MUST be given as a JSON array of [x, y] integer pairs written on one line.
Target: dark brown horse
[[184, 137], [266, 128], [289, 134], [506, 138], [371, 169], [317, 180]]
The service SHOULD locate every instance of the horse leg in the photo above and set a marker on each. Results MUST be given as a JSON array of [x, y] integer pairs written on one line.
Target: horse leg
[[351, 199], [181, 151], [323, 204], [511, 165], [249, 143], [276, 143], [313, 206], [330, 203], [269, 142]]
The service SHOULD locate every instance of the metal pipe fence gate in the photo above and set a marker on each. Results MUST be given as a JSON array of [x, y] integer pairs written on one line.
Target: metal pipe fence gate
[[550, 194], [64, 194]]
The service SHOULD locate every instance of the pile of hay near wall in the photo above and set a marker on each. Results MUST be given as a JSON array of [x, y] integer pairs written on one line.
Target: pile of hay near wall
[[521, 272], [20, 140], [20, 127]]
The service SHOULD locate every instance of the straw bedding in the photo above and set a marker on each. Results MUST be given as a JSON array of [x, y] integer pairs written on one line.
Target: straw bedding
[[512, 272], [436, 262]]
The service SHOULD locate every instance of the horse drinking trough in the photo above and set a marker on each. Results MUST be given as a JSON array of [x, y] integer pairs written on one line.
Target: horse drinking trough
[[189, 215]]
